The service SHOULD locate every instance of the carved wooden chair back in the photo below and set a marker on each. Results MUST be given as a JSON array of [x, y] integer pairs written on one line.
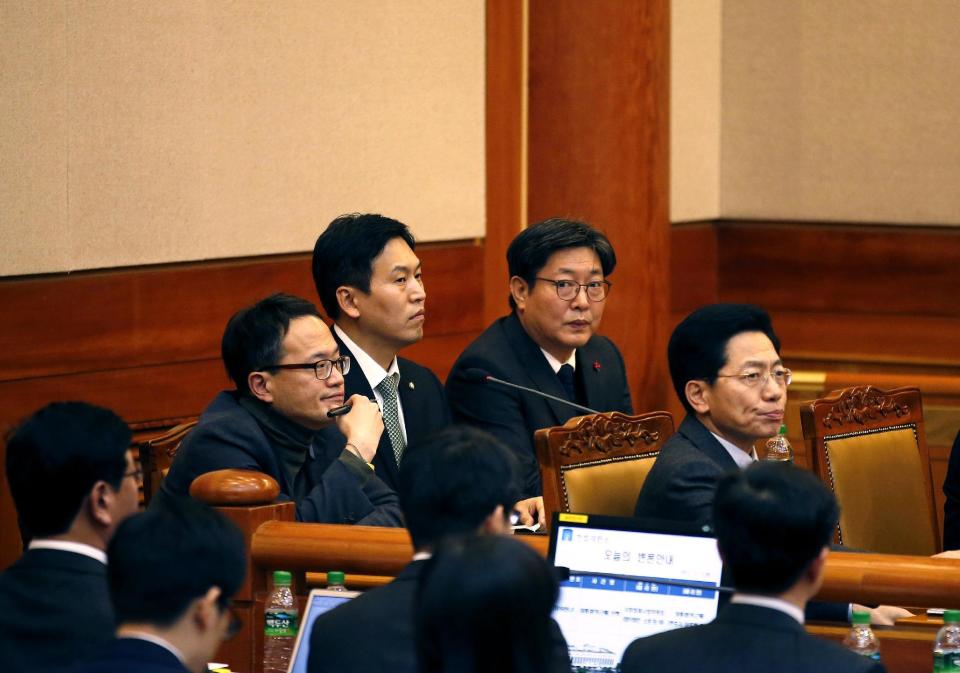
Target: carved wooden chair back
[[869, 446], [156, 455], [597, 464]]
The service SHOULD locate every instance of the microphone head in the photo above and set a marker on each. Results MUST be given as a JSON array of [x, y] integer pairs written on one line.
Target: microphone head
[[476, 375]]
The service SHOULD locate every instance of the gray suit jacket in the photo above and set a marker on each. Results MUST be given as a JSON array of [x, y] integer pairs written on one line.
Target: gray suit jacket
[[743, 638]]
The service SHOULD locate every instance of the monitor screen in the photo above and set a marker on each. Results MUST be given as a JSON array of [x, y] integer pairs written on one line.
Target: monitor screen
[[629, 579], [318, 602]]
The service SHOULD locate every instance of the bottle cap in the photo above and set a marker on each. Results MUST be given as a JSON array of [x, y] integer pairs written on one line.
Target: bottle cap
[[783, 429], [282, 578], [335, 577], [951, 617], [861, 618]]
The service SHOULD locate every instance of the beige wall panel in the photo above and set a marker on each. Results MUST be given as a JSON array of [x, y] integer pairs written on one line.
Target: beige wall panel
[[33, 135], [220, 129], [695, 110], [841, 110]]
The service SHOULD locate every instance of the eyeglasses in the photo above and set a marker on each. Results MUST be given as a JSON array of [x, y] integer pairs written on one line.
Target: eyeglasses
[[322, 368], [781, 376], [567, 290]]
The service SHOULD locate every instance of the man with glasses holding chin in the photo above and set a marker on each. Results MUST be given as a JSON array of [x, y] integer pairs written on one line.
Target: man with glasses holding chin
[[558, 287], [288, 374]]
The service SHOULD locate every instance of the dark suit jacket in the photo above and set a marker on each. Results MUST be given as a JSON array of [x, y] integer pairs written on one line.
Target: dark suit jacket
[[54, 611], [424, 403], [682, 481], [506, 351], [743, 638], [681, 485], [375, 632], [132, 655], [341, 490], [951, 507]]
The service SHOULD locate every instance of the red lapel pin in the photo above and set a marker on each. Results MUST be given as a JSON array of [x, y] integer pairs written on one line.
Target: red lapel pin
[[596, 365]]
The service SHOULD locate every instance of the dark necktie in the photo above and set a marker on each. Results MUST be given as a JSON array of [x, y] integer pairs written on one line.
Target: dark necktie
[[391, 416], [566, 374]]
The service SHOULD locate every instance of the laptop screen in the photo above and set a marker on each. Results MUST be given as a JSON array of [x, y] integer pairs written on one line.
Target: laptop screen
[[318, 602], [629, 579]]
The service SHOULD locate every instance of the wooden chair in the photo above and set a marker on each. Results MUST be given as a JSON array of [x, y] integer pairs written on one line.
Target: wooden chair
[[157, 453], [869, 446], [597, 464]]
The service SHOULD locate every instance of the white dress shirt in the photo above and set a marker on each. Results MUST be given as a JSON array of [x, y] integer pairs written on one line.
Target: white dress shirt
[[75, 547]]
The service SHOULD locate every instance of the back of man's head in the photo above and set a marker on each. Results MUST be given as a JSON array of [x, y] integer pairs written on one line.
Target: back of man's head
[[162, 560], [344, 254], [452, 481], [56, 457], [771, 520], [698, 345], [253, 338]]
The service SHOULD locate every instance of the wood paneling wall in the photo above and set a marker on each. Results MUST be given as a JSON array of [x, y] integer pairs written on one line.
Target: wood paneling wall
[[598, 150]]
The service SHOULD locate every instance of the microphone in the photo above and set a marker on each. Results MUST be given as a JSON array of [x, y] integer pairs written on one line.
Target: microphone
[[478, 375]]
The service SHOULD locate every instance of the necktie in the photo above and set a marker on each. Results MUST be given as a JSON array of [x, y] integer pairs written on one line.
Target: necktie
[[566, 374], [391, 416]]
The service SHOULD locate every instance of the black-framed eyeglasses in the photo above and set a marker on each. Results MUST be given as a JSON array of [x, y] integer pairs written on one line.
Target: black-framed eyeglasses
[[322, 368], [780, 375], [567, 290]]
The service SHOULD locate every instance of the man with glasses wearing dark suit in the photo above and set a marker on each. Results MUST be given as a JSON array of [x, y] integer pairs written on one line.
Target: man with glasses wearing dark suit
[[558, 283], [288, 374]]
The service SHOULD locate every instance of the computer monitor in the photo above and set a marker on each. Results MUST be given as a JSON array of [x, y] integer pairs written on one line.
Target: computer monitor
[[318, 602], [629, 578]]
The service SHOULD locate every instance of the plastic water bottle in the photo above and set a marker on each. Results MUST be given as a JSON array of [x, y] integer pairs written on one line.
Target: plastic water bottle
[[946, 648], [335, 581], [778, 448], [861, 639], [280, 625]]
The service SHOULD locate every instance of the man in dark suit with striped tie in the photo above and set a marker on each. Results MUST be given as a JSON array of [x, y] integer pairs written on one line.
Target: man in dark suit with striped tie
[[369, 281]]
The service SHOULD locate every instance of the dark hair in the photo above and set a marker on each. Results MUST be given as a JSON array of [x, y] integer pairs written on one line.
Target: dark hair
[[344, 254], [698, 345], [163, 559], [771, 521], [531, 248], [484, 604], [253, 338], [56, 456], [452, 480]]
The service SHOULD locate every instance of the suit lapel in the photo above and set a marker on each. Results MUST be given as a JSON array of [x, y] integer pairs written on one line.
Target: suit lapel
[[538, 370], [698, 435], [589, 366], [355, 383]]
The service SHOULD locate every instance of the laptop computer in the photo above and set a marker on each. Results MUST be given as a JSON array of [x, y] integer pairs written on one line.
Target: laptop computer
[[318, 602], [629, 578]]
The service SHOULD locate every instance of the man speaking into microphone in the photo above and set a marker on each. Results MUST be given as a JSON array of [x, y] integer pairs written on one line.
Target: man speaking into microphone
[[558, 284]]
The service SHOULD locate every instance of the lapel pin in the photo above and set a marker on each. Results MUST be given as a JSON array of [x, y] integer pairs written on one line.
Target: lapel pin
[[596, 365], [412, 387]]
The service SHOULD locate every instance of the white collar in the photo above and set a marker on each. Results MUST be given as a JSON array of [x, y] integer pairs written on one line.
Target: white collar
[[740, 457], [372, 371], [555, 364], [156, 640], [74, 547], [769, 602], [422, 555]]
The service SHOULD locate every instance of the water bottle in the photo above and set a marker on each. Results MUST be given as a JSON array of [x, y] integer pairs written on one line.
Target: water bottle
[[335, 581], [861, 639], [778, 448], [280, 625], [946, 648]]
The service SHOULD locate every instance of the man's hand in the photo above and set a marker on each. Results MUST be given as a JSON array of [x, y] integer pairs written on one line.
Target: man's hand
[[531, 511], [362, 426], [884, 615]]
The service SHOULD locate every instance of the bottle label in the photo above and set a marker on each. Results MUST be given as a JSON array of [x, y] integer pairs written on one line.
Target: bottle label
[[946, 662], [280, 624]]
